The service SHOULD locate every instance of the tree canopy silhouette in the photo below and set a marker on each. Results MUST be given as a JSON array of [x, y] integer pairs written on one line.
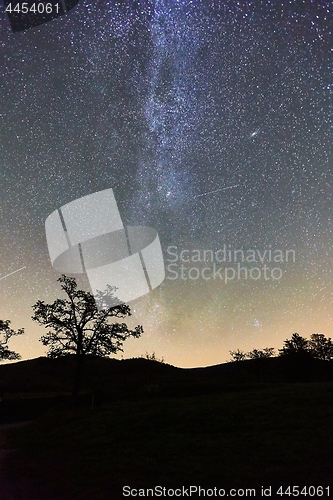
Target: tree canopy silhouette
[[265, 353], [296, 346], [237, 355], [321, 347], [6, 332], [78, 325]]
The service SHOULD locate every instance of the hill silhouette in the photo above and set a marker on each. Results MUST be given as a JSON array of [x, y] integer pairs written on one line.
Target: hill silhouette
[[122, 378], [160, 424]]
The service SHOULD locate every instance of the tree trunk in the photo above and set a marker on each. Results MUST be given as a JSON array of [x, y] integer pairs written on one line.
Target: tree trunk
[[77, 378]]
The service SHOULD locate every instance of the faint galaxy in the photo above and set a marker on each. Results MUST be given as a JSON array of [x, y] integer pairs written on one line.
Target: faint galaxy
[[212, 122]]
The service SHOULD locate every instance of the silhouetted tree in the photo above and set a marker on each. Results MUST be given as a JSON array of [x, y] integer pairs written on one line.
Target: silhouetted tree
[[5, 334], [152, 357], [321, 347], [298, 361], [267, 352], [237, 355], [297, 345], [261, 364], [79, 327]]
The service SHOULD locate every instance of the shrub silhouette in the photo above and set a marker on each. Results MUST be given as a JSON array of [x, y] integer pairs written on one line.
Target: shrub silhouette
[[6, 332]]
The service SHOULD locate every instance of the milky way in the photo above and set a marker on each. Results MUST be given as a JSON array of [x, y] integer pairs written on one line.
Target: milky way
[[212, 122]]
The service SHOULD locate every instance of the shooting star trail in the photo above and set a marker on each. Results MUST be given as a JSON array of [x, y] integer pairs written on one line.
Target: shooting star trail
[[17, 270], [216, 190]]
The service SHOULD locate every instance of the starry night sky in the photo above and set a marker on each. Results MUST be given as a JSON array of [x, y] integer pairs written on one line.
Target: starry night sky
[[212, 122]]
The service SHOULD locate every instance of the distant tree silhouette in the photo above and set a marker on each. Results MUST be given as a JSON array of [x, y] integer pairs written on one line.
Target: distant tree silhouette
[[297, 345], [299, 358], [298, 361], [267, 352], [321, 347], [5, 334], [79, 327], [261, 366], [152, 357], [237, 355]]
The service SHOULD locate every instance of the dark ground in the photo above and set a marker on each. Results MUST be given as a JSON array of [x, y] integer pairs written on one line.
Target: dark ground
[[156, 424]]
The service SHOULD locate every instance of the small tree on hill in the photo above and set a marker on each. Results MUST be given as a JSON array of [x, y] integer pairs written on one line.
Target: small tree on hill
[[297, 345], [321, 347], [237, 355], [5, 334], [152, 357], [79, 327], [267, 352], [261, 361]]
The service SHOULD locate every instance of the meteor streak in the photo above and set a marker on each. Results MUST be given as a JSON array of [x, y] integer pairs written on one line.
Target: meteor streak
[[217, 190], [17, 270]]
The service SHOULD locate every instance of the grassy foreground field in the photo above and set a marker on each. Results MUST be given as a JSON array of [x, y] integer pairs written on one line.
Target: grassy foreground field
[[269, 435]]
